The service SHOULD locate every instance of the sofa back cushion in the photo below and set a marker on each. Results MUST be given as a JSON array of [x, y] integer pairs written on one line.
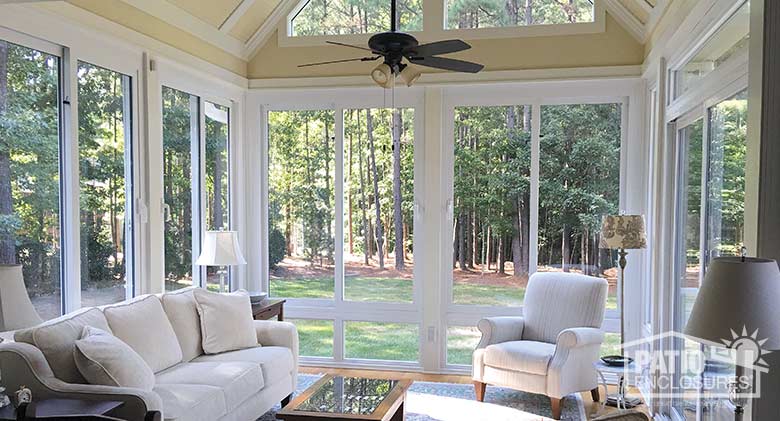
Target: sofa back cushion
[[142, 324], [57, 339], [182, 311], [226, 321], [555, 301]]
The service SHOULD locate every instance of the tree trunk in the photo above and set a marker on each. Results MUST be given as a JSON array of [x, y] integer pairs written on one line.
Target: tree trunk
[[501, 259], [218, 220], [397, 199], [7, 242], [565, 247], [529, 17], [462, 241], [363, 202], [375, 175]]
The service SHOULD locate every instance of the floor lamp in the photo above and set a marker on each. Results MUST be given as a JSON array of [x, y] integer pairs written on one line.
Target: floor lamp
[[623, 232]]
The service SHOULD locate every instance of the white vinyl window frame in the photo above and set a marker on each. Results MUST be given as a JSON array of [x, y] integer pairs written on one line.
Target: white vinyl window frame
[[434, 27], [537, 95], [170, 75], [339, 310]]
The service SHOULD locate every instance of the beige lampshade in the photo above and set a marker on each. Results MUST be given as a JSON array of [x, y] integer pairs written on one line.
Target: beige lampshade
[[738, 295], [220, 248], [623, 232], [16, 309]]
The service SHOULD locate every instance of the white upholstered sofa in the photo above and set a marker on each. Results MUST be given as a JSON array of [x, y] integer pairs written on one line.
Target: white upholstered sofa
[[165, 331], [551, 349]]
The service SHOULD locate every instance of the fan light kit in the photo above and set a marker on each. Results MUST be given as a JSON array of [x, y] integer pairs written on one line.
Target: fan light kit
[[393, 47]]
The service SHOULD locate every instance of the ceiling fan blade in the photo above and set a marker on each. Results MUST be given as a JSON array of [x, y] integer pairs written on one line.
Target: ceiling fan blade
[[338, 61], [348, 45], [447, 64], [437, 48]]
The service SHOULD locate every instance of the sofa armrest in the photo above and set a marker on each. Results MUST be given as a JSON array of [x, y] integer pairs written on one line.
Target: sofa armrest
[[24, 364], [272, 333], [496, 330], [571, 366]]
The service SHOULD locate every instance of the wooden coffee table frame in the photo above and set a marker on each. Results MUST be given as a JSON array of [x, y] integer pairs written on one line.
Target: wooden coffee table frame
[[391, 408]]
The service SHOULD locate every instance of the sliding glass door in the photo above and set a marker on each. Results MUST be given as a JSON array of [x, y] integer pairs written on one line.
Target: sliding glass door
[[30, 172], [106, 185]]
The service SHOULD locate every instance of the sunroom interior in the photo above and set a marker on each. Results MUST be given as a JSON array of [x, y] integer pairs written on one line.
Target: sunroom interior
[[392, 219]]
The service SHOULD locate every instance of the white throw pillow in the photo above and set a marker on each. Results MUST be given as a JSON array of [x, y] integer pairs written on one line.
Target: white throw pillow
[[226, 322], [104, 359], [182, 311]]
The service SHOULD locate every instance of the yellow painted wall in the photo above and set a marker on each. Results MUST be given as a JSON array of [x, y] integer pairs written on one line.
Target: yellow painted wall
[[614, 47], [126, 15]]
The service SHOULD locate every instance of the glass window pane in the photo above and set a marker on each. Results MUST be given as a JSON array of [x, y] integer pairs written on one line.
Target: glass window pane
[[466, 14], [315, 337], [30, 172], [726, 178], [217, 178], [691, 138], [730, 40], [301, 161], [492, 205], [382, 341], [579, 183], [181, 133], [379, 197], [342, 17], [105, 180], [461, 343]]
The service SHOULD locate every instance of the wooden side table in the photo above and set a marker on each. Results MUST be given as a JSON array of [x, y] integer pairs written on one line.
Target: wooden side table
[[268, 309]]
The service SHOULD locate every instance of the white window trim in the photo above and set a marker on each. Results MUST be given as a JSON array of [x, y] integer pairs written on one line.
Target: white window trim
[[434, 28]]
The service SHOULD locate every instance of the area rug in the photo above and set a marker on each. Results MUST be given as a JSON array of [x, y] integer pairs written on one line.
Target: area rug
[[431, 401]]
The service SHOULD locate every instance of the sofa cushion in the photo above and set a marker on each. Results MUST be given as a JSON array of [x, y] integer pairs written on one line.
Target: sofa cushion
[[236, 380], [526, 356], [275, 361], [57, 338], [182, 312], [191, 402], [226, 321], [104, 359], [142, 324]]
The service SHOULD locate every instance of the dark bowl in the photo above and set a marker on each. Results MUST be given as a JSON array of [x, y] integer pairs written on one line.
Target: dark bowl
[[617, 360]]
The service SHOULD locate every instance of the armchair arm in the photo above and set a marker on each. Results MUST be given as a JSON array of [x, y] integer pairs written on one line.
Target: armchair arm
[[500, 329], [24, 364], [571, 366], [578, 337]]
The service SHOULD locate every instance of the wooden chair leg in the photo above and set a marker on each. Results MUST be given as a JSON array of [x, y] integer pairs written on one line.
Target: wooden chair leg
[[594, 393], [479, 390], [557, 405]]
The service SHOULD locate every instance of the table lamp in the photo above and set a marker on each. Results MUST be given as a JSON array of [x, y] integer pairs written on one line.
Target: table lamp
[[739, 295], [623, 232], [220, 248]]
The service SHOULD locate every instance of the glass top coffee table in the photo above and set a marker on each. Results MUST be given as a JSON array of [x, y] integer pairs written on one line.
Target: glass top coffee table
[[348, 398]]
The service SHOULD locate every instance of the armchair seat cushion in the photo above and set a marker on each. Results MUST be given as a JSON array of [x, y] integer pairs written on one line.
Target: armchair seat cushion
[[526, 356], [191, 402], [276, 362], [237, 381]]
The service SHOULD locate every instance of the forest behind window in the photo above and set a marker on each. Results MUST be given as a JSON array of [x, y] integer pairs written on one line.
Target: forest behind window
[[471, 14], [105, 180], [30, 172], [344, 17]]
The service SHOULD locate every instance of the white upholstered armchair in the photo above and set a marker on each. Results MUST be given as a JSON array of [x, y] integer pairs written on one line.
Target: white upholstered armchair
[[551, 349]]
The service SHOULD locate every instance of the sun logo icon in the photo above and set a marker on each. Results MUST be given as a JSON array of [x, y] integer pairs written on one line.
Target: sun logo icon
[[748, 344]]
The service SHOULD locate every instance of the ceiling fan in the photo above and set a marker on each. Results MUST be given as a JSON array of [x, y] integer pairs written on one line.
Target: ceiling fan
[[395, 46]]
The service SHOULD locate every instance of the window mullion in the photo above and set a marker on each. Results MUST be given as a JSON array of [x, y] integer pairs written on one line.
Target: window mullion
[[533, 234], [198, 132], [338, 192], [70, 224]]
